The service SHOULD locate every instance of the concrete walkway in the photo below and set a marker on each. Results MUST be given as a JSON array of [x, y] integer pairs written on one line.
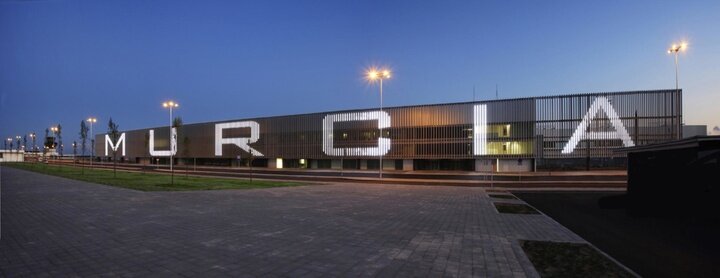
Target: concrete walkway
[[53, 226]]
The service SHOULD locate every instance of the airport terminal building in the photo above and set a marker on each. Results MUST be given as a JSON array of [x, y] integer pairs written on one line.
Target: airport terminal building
[[576, 131]]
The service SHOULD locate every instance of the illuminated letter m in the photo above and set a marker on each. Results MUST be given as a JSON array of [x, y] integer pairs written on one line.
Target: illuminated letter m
[[114, 147]]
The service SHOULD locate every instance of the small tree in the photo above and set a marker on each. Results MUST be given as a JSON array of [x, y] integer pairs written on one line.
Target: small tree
[[83, 137], [250, 161], [92, 151], [186, 152], [147, 142], [83, 140], [59, 137], [176, 123], [114, 135]]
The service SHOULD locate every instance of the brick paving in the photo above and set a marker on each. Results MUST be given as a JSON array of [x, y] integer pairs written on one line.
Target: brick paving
[[53, 226]]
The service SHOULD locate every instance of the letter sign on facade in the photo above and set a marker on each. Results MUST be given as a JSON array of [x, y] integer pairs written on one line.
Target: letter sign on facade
[[114, 147], [480, 129], [173, 144], [242, 142], [581, 133], [383, 119], [557, 127]]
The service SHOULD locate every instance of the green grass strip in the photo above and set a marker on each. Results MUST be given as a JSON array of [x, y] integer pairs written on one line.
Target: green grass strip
[[147, 181], [502, 196], [560, 259], [515, 208]]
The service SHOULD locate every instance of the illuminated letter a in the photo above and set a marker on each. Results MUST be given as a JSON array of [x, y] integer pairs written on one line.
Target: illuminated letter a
[[581, 133]]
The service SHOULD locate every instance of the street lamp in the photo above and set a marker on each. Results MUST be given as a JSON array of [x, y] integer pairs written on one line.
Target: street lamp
[[17, 137], [372, 76], [675, 49], [8, 140], [171, 105], [54, 129], [32, 137], [92, 120]]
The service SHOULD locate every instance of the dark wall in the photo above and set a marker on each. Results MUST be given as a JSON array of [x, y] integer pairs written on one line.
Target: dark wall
[[675, 181]]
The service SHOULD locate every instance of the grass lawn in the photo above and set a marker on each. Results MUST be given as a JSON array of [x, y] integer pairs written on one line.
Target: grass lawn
[[502, 196], [147, 181], [515, 208], [559, 259]]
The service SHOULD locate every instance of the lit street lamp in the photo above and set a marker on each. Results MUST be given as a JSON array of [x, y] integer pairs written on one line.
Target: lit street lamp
[[171, 105], [675, 49], [92, 120], [372, 76], [17, 137], [54, 129], [32, 137]]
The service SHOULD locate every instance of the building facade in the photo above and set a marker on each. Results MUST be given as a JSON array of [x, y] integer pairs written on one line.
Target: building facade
[[552, 132]]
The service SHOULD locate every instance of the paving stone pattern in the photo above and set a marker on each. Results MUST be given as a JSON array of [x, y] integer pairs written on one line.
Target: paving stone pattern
[[53, 226]]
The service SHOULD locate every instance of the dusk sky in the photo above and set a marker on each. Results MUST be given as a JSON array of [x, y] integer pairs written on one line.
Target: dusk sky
[[62, 61]]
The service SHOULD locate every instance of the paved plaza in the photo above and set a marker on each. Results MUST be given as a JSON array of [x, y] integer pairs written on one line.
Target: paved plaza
[[53, 226]]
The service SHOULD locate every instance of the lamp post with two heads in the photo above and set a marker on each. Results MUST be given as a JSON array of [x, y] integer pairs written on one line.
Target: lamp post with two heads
[[171, 105], [91, 121], [372, 76], [675, 49]]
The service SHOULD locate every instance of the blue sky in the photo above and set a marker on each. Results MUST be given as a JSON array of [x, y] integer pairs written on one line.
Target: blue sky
[[62, 61]]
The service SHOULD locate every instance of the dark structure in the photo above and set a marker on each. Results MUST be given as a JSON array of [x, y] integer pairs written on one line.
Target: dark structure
[[675, 177], [577, 131]]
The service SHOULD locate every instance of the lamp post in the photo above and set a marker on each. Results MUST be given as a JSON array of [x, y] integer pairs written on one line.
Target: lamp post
[[171, 105], [379, 75], [675, 49], [54, 129], [32, 137], [6, 142], [17, 138], [92, 120]]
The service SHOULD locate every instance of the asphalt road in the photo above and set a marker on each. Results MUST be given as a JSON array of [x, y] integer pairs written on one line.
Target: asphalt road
[[651, 246]]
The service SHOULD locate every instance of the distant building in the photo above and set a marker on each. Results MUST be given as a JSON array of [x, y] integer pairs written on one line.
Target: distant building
[[694, 130], [577, 131], [715, 131], [12, 156]]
